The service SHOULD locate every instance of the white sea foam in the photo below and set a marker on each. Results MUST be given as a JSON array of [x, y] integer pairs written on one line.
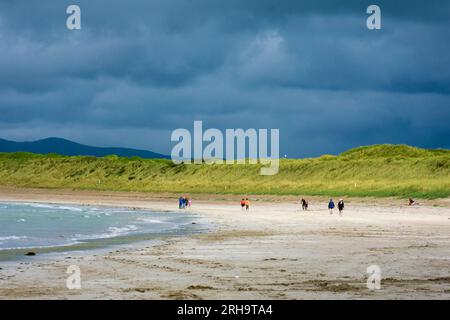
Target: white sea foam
[[53, 206], [111, 233], [119, 231], [70, 208], [149, 220], [12, 238]]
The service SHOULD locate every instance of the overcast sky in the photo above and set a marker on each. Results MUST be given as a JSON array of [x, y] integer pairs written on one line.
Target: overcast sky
[[139, 69]]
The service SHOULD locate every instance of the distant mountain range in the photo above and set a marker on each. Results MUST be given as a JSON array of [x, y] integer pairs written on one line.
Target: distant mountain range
[[70, 148]]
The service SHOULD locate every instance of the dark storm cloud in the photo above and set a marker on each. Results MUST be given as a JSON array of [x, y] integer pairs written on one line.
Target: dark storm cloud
[[139, 69]]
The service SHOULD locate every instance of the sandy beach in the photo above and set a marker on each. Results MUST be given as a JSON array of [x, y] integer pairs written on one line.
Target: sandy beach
[[274, 251]]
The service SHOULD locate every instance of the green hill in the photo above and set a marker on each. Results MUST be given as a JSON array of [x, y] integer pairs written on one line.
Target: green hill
[[380, 170], [392, 150]]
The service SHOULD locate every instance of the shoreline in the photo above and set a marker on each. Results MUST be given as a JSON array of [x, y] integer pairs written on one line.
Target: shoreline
[[275, 251], [95, 244]]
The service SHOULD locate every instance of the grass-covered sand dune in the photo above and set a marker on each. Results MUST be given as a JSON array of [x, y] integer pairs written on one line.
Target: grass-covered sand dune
[[380, 171]]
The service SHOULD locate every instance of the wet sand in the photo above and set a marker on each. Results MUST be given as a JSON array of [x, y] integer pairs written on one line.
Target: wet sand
[[274, 251]]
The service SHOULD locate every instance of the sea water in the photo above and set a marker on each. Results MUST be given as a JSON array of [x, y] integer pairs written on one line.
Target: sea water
[[54, 227]]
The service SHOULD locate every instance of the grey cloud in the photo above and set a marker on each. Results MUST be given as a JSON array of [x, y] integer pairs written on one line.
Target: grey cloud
[[143, 68]]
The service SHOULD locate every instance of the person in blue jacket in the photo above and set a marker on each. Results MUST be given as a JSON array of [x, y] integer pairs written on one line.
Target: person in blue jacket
[[331, 206], [180, 202]]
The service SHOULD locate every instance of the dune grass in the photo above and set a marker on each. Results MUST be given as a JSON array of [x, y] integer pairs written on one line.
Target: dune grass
[[378, 171]]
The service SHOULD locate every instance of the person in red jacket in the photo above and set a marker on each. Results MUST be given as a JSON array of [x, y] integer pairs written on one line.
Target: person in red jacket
[[242, 204]]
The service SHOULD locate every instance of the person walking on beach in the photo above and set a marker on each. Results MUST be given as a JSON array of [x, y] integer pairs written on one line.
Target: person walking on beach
[[341, 206], [180, 203], [242, 204], [189, 202], [331, 206], [304, 205], [247, 204]]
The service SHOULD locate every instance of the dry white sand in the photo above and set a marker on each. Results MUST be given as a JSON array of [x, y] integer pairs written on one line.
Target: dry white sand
[[275, 251]]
